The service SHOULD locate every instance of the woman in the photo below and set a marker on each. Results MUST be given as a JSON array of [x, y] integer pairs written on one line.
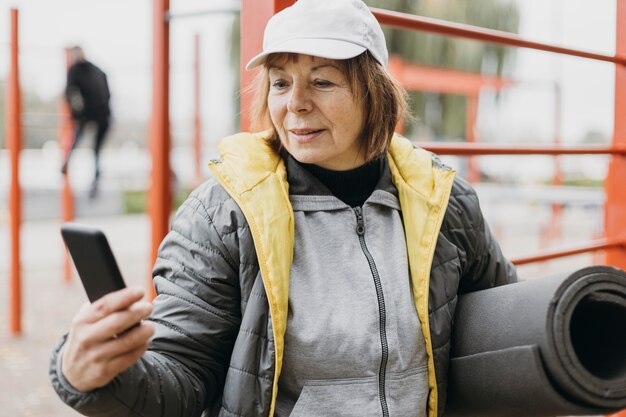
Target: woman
[[316, 274]]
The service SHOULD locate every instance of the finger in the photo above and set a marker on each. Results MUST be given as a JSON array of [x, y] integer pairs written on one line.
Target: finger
[[130, 340], [122, 362], [87, 369], [112, 302], [82, 312], [118, 322], [97, 370]]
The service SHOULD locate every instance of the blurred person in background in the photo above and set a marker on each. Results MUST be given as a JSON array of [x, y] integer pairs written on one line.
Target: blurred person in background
[[87, 93], [316, 273]]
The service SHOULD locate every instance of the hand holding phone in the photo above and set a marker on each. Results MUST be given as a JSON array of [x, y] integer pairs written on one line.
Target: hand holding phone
[[105, 327], [93, 258]]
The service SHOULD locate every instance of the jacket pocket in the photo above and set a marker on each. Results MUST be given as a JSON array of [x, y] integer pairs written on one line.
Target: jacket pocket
[[352, 397], [407, 392]]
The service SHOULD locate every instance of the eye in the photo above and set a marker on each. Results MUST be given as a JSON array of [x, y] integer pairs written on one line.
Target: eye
[[279, 84], [322, 83]]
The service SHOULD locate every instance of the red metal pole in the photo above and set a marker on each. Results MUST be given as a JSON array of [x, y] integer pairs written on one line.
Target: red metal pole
[[415, 77], [615, 207], [14, 145], [197, 121], [455, 148], [65, 142], [160, 190], [594, 245], [556, 221], [254, 17], [442, 27], [473, 172], [396, 69]]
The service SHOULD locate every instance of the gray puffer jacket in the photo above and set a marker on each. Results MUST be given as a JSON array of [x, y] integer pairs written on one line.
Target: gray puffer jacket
[[214, 352]]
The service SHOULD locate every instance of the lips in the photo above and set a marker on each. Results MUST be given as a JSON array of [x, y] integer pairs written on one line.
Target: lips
[[304, 132], [305, 135]]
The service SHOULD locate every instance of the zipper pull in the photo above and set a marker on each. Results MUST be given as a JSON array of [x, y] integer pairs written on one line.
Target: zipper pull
[[360, 225]]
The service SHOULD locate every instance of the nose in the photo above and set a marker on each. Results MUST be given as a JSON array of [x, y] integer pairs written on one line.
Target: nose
[[299, 99]]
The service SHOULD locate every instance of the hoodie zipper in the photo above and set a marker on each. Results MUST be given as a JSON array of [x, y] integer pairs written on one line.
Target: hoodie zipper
[[382, 316]]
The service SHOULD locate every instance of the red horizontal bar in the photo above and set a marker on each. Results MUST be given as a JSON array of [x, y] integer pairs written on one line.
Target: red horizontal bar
[[592, 246], [462, 148], [415, 77], [442, 27]]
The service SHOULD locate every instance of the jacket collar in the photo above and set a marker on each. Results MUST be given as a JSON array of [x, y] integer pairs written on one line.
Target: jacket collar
[[248, 159], [302, 182]]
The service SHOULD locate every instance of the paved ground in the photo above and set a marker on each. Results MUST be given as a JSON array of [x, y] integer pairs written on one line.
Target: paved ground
[[48, 307]]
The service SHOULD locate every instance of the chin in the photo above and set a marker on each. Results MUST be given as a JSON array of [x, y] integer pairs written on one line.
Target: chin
[[307, 159]]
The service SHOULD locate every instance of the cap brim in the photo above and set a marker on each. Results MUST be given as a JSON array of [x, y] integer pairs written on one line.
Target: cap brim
[[323, 48]]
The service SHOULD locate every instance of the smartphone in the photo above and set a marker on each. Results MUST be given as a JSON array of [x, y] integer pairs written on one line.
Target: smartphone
[[94, 260]]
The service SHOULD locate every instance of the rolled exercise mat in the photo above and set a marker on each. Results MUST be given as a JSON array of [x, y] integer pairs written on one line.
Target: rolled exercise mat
[[544, 347]]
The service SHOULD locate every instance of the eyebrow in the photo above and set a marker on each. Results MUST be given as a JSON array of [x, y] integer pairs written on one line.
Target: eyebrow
[[324, 65], [278, 68]]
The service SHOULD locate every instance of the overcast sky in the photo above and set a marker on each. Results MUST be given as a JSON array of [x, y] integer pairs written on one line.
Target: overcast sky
[[116, 35]]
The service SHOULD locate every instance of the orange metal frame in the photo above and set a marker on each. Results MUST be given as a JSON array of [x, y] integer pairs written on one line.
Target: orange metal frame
[[14, 145], [254, 17], [450, 148], [160, 201], [441, 27], [65, 142], [440, 80], [615, 207], [595, 245]]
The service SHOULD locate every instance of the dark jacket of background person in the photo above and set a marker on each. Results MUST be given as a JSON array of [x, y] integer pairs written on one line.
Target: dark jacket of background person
[[87, 92], [214, 352]]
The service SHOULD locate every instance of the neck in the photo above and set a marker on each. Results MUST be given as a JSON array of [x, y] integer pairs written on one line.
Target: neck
[[352, 187]]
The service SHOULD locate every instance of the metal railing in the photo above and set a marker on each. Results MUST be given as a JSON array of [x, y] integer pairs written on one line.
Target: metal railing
[[615, 242]]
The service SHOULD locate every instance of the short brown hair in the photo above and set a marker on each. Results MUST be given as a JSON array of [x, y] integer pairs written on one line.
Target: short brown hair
[[385, 102]]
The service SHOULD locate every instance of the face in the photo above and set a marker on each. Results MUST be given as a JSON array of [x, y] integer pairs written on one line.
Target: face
[[315, 112]]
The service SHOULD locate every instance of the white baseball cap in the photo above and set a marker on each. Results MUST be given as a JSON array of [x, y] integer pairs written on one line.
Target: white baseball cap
[[334, 29]]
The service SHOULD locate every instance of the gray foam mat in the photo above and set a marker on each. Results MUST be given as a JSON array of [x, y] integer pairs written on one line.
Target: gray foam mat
[[544, 347]]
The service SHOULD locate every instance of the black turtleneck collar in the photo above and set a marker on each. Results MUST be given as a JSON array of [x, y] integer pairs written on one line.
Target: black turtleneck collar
[[352, 187]]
